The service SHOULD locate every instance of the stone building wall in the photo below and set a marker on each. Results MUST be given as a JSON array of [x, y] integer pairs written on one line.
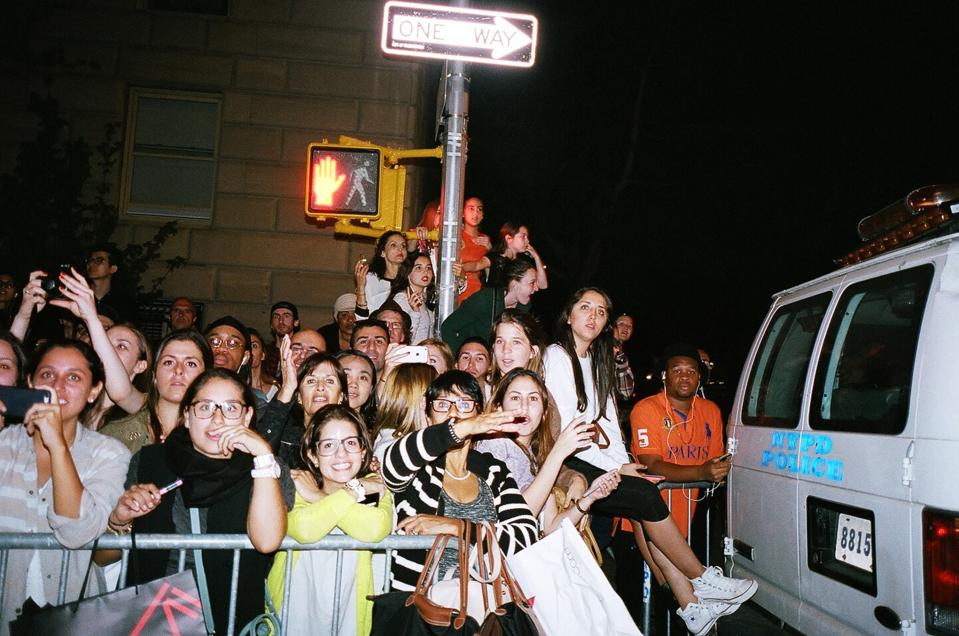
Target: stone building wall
[[289, 72]]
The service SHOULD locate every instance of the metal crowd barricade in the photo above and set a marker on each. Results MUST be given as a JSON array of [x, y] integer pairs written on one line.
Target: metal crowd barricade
[[234, 542], [686, 488]]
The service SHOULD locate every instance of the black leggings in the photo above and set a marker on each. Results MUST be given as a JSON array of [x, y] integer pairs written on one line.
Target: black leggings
[[635, 498]]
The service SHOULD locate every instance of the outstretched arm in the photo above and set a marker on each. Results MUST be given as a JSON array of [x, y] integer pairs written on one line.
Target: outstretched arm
[[79, 299]]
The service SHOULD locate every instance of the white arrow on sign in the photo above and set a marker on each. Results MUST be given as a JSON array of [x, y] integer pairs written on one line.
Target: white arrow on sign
[[500, 38]]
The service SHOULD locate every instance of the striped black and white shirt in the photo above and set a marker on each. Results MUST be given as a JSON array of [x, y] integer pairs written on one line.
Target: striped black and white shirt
[[413, 469]]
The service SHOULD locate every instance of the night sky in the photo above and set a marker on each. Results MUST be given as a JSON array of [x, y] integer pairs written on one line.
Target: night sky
[[693, 159]]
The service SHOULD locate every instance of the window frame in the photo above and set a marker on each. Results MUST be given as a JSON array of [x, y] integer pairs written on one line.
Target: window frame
[[764, 352], [143, 211], [828, 361]]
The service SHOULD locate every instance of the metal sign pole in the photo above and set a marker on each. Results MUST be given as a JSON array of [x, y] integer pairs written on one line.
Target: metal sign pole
[[454, 175]]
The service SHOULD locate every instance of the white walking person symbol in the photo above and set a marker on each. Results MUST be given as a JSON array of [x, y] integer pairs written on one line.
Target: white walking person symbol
[[357, 177]]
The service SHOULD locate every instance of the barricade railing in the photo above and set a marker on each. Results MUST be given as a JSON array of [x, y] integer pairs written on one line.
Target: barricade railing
[[686, 489], [235, 542]]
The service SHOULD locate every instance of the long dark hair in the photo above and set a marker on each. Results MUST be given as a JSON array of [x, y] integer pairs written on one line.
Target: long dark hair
[[206, 354], [600, 351], [543, 440], [368, 408], [89, 415], [401, 282], [507, 229], [314, 430], [378, 264]]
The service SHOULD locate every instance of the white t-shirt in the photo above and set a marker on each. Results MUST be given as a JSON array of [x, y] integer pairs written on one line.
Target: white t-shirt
[[558, 372]]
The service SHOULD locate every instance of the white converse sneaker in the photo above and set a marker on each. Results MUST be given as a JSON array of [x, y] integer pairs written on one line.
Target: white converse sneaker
[[700, 617], [713, 586]]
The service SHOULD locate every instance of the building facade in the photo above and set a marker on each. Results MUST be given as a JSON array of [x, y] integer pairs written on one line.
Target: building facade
[[217, 101]]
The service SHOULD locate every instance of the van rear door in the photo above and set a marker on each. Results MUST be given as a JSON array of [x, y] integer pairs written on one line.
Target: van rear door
[[855, 553]]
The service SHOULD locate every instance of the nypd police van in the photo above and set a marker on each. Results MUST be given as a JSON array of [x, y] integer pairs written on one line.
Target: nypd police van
[[844, 493]]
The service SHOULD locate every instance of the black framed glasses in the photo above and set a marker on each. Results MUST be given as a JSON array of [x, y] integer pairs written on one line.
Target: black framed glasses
[[231, 409], [463, 405], [329, 446]]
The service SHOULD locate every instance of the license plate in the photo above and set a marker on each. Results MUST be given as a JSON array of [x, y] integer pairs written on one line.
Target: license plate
[[854, 543]]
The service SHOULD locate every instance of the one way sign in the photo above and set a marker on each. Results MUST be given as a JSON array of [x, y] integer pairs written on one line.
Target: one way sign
[[455, 33]]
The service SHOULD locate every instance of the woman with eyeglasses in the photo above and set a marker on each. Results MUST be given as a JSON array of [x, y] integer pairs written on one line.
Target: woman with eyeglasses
[[335, 494], [231, 484], [319, 381], [438, 479]]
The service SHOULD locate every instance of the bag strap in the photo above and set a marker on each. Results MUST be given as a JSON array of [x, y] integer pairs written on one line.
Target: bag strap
[[86, 577], [201, 573], [464, 549], [430, 564]]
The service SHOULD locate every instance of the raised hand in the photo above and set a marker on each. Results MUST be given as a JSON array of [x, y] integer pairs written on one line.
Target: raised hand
[[577, 435]]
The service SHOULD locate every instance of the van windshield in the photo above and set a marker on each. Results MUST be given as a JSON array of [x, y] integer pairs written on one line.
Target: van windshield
[[776, 382], [864, 374]]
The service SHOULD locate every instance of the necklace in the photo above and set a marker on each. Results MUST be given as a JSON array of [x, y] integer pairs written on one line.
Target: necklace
[[670, 426], [449, 473]]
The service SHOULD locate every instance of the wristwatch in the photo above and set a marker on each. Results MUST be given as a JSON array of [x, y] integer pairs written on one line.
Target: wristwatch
[[356, 487], [265, 466]]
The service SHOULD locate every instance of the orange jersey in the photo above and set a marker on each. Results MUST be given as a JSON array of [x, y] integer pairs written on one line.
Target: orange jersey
[[470, 250], [687, 439]]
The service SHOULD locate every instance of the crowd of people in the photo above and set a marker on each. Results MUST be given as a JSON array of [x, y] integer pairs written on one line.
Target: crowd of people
[[366, 426]]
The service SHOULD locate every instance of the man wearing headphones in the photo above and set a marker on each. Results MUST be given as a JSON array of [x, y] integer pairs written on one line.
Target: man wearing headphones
[[678, 434]]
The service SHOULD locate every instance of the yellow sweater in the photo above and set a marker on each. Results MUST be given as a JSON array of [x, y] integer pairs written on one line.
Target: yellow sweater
[[310, 522]]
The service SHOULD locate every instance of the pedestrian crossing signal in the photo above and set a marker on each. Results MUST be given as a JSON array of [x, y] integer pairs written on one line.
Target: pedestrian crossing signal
[[343, 181]]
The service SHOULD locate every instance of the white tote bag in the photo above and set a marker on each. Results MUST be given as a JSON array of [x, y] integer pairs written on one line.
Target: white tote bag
[[568, 592]]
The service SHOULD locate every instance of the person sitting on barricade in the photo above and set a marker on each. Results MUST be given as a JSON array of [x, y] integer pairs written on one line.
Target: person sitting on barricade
[[56, 476], [336, 494], [580, 374], [439, 479], [518, 343], [231, 484], [534, 456]]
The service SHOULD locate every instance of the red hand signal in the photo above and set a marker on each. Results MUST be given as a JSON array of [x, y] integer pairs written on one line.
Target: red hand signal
[[326, 182]]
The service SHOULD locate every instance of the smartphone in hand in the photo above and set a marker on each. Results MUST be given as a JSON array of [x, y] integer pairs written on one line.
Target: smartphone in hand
[[18, 401]]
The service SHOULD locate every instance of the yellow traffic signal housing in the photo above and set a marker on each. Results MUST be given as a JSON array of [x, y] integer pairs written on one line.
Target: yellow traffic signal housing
[[356, 180]]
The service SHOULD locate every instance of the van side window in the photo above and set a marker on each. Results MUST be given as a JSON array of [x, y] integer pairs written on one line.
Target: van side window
[[865, 370], [776, 382]]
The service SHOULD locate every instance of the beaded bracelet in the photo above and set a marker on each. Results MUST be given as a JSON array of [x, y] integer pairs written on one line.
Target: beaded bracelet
[[456, 438]]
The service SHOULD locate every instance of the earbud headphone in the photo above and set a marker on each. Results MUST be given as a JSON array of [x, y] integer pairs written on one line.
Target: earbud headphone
[[662, 376]]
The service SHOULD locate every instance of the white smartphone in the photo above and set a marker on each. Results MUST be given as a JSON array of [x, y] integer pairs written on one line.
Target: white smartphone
[[413, 354]]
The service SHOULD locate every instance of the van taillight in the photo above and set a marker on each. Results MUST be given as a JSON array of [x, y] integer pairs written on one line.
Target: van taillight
[[940, 548]]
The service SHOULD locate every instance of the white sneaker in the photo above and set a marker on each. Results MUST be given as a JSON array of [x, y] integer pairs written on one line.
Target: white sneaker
[[714, 586], [700, 617]]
